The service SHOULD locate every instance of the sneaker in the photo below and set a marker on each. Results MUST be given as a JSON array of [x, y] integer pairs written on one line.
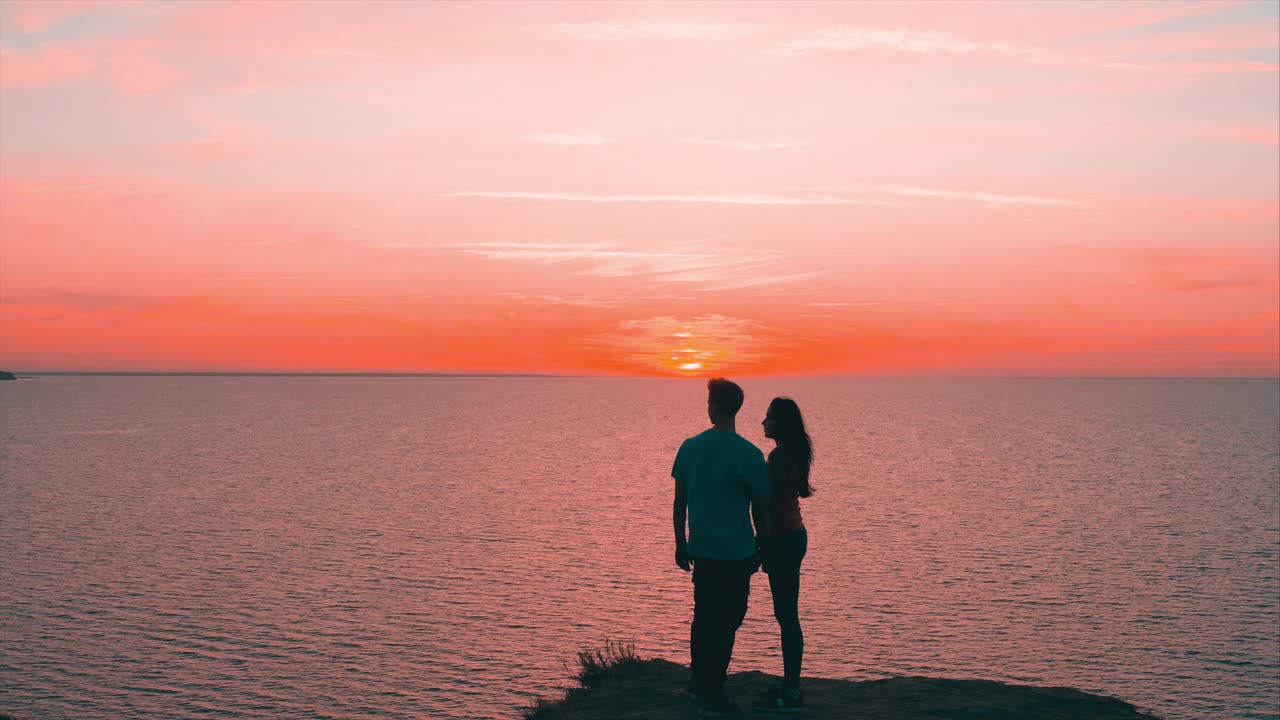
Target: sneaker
[[719, 708], [777, 701]]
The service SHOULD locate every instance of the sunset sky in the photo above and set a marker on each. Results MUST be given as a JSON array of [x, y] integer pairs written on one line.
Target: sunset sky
[[1045, 188]]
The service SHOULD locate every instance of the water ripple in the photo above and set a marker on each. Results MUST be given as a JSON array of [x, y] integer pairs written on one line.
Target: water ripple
[[409, 548]]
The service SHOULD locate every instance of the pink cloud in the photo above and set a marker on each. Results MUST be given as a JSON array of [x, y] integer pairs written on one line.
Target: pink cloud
[[127, 65], [32, 16], [40, 67], [1135, 14], [1247, 134], [1229, 37], [1188, 273], [135, 73], [1202, 67]]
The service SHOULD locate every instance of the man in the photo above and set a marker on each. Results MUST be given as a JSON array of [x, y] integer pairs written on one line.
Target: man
[[721, 484]]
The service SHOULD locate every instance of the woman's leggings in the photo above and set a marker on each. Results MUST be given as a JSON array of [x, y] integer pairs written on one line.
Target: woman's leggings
[[784, 584]]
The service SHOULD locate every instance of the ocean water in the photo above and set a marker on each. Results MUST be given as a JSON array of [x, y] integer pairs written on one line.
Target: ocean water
[[308, 547]]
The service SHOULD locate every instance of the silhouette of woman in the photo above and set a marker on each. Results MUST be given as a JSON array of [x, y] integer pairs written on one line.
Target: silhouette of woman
[[789, 464]]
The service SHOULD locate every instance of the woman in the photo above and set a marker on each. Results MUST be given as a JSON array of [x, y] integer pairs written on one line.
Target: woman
[[789, 481]]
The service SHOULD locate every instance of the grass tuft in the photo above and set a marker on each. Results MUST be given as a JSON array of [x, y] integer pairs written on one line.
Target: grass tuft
[[540, 709], [595, 666], [598, 664]]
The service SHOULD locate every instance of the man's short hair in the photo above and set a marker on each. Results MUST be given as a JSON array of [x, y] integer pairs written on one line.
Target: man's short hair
[[726, 395]]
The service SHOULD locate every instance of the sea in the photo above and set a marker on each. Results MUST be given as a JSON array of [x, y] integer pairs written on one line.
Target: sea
[[441, 547]]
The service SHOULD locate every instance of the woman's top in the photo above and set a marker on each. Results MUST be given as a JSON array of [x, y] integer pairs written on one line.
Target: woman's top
[[784, 494]]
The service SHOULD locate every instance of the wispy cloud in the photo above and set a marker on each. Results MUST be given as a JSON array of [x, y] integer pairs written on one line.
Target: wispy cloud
[[606, 259], [872, 303], [1206, 67], [1182, 269], [32, 17], [87, 301], [87, 188], [1187, 42], [762, 280], [750, 145], [745, 198], [349, 53], [587, 301], [725, 269], [911, 40], [43, 66], [1185, 272], [811, 198], [990, 199], [672, 29], [128, 71], [1247, 134], [586, 138], [1244, 281], [1131, 16], [703, 343]]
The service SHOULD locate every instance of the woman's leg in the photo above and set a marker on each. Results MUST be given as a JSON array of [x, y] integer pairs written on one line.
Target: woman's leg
[[784, 584]]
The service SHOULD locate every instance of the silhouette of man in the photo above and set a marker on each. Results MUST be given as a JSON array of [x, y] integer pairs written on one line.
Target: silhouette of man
[[722, 482]]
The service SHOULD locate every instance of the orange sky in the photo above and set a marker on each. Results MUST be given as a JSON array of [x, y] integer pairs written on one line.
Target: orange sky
[[1085, 189]]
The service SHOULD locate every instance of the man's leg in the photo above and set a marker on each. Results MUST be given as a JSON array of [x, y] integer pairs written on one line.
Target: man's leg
[[702, 631], [707, 636], [736, 591]]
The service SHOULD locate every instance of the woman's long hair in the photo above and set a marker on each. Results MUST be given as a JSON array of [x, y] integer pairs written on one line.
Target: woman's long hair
[[788, 430]]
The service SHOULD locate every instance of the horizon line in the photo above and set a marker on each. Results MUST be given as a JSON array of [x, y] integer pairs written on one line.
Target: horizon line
[[289, 373], [270, 373]]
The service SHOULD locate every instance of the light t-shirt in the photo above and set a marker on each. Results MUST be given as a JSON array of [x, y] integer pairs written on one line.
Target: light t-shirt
[[722, 471]]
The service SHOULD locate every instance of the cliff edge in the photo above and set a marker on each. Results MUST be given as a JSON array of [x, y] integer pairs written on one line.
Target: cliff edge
[[637, 689]]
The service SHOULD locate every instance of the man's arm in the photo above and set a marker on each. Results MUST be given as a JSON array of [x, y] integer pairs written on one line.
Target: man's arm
[[760, 515], [679, 512]]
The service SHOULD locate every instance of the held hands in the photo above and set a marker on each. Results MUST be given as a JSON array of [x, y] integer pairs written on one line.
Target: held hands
[[682, 558], [765, 553]]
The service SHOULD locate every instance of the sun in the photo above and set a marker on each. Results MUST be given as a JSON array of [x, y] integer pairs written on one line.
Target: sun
[[687, 358], [683, 352]]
